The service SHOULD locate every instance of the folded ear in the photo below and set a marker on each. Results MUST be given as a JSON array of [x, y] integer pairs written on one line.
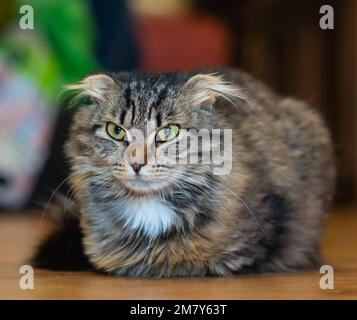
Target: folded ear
[[94, 86], [207, 88]]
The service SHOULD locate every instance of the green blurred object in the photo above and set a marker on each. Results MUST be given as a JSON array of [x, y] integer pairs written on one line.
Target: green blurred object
[[34, 66], [60, 49]]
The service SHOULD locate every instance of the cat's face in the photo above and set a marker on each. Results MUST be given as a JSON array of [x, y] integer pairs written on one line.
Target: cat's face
[[125, 135]]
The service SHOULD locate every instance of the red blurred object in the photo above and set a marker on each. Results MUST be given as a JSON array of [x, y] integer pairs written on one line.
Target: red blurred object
[[181, 43]]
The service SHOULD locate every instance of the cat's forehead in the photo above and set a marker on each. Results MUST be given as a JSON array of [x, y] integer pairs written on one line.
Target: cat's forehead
[[143, 91], [148, 86], [141, 98], [133, 99], [149, 80]]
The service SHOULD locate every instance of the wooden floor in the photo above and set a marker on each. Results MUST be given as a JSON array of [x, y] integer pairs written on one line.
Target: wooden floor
[[18, 235]]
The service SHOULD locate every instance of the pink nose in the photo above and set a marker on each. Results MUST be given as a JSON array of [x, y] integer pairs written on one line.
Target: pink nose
[[136, 167]]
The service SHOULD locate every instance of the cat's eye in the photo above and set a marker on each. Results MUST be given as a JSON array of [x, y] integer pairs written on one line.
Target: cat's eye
[[168, 133], [115, 132]]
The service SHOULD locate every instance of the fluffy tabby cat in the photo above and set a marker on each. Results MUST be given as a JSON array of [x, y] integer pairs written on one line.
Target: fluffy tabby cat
[[153, 220]]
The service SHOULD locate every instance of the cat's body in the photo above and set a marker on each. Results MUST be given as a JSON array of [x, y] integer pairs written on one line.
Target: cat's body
[[266, 215]]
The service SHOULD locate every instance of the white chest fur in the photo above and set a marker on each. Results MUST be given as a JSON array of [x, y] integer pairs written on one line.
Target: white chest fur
[[149, 215]]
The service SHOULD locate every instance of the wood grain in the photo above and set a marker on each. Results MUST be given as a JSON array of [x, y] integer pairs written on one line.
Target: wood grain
[[19, 235]]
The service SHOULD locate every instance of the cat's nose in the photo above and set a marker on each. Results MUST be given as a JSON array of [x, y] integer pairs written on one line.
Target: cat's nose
[[136, 167]]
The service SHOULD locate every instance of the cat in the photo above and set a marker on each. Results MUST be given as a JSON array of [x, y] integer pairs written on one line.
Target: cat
[[156, 220]]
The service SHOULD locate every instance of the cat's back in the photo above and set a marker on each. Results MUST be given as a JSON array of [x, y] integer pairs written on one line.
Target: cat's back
[[286, 132], [292, 121]]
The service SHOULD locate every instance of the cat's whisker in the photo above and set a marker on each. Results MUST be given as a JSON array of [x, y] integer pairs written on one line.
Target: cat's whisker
[[253, 215], [51, 197]]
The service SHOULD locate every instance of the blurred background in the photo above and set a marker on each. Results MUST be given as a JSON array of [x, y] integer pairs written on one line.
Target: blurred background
[[279, 42]]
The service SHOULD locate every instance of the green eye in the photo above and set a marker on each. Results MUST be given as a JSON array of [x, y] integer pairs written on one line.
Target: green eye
[[115, 132], [167, 133]]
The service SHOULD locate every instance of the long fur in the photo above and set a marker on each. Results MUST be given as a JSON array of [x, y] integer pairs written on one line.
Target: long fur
[[266, 215]]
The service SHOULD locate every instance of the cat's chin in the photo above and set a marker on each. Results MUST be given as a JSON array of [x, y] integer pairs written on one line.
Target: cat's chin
[[144, 187]]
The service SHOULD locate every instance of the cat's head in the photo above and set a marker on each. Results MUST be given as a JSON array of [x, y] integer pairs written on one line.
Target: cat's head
[[123, 136]]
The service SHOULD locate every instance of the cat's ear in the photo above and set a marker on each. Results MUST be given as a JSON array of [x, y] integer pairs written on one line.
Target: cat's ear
[[204, 89], [94, 86]]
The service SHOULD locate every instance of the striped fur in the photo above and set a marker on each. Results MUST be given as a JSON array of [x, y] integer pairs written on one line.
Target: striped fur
[[182, 220]]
